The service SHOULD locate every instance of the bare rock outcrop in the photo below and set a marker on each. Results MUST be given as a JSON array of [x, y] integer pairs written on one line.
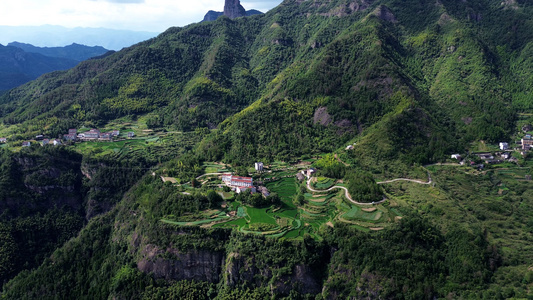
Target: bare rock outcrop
[[233, 9], [322, 117], [172, 264], [385, 14], [244, 271]]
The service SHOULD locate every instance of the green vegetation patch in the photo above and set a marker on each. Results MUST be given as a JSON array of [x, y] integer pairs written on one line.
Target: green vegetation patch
[[285, 188], [356, 213], [259, 215], [323, 183]]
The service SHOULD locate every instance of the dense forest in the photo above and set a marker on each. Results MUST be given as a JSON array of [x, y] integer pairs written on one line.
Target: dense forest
[[407, 81]]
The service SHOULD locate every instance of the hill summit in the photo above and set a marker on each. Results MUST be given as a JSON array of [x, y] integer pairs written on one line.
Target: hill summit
[[232, 9]]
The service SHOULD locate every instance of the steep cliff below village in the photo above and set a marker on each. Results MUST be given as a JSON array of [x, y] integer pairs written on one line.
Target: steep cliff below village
[[235, 261], [173, 253], [171, 264], [40, 180]]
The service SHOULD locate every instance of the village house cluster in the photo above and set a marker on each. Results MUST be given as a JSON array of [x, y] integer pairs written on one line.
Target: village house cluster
[[489, 158], [93, 135], [74, 136], [43, 141]]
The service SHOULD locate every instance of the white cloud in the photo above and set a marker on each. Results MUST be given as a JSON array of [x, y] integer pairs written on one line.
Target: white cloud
[[142, 15], [122, 1]]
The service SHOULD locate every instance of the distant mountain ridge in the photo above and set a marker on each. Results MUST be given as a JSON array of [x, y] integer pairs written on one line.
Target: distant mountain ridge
[[18, 67], [55, 36], [74, 51], [20, 63]]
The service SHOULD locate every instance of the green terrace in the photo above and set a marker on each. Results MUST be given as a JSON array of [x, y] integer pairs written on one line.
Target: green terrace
[[289, 219]]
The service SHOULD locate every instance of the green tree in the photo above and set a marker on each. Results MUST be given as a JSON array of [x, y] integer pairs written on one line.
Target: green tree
[[363, 188]]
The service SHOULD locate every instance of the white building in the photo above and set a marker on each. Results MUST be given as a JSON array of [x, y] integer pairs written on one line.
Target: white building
[[309, 172], [456, 156], [259, 166], [237, 181], [504, 146]]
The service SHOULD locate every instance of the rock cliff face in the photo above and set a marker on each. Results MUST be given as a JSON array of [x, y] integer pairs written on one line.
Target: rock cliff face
[[233, 9], [233, 269], [171, 264], [241, 270], [37, 183]]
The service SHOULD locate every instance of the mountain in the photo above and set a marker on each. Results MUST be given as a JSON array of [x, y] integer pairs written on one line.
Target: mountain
[[58, 36], [213, 15], [404, 83], [74, 51], [18, 67], [232, 9], [20, 63], [276, 63]]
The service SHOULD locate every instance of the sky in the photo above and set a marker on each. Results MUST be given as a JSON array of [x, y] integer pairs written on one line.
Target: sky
[[137, 15]]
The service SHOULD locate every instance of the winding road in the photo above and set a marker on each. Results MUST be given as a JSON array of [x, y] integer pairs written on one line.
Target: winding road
[[430, 181], [345, 193], [345, 189]]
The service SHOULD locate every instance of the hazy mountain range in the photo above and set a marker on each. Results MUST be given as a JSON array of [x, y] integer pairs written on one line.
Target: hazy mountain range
[[58, 36], [75, 51], [20, 63]]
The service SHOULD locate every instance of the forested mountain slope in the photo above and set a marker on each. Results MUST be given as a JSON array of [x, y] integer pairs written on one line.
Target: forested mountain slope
[[347, 61]]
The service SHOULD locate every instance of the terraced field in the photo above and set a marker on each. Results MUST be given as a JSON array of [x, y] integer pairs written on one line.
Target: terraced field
[[292, 221], [210, 167], [323, 183]]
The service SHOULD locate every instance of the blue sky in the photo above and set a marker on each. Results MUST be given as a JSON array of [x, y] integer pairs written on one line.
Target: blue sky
[[139, 15]]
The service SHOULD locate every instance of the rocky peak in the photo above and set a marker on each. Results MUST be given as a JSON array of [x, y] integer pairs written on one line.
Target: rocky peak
[[233, 9], [384, 13]]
